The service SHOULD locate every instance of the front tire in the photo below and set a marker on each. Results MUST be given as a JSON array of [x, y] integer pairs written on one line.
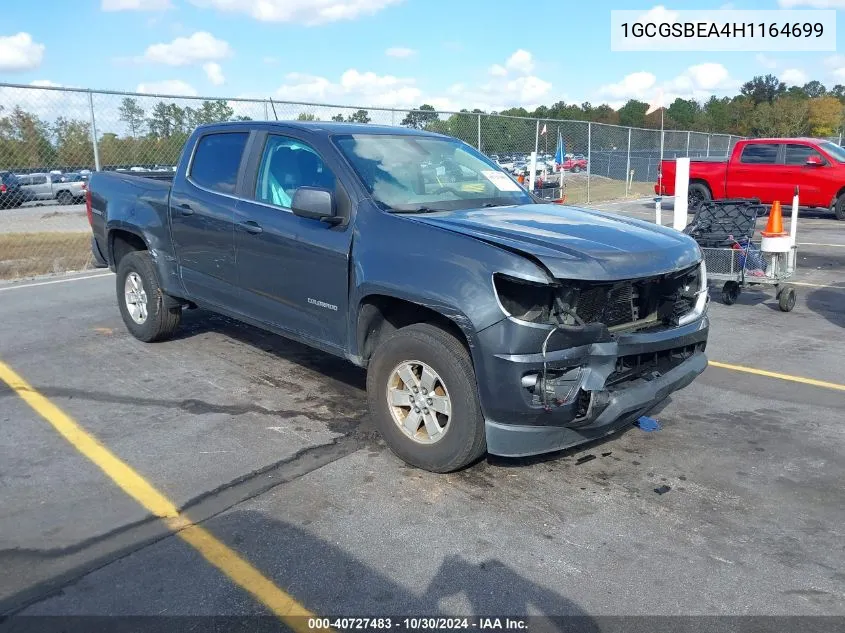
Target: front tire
[[141, 300], [423, 397], [64, 198]]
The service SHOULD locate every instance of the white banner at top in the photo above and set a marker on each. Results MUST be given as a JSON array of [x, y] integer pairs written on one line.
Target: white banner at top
[[781, 31]]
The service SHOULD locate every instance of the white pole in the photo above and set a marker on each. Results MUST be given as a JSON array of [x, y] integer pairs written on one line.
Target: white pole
[[658, 211], [681, 192], [708, 144], [793, 231], [533, 170], [94, 132]]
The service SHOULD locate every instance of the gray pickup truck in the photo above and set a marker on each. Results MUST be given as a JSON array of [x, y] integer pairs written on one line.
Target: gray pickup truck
[[486, 320], [64, 188]]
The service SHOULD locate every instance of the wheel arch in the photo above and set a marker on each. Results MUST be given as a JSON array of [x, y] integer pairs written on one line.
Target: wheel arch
[[379, 315]]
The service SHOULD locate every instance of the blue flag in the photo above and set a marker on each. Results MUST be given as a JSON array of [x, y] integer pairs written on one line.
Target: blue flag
[[561, 149]]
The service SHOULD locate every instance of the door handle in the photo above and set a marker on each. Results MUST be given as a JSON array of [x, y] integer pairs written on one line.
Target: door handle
[[251, 227], [185, 209]]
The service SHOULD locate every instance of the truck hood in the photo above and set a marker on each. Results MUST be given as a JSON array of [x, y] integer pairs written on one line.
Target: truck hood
[[575, 243]]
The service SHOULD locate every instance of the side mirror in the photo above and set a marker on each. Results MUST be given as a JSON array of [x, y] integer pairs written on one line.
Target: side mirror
[[814, 161], [315, 203]]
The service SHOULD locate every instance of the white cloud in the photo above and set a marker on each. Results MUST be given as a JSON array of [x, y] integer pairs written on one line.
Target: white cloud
[[708, 76], [697, 82], [168, 87], [521, 61], [309, 12], [658, 14], [19, 52], [214, 73], [199, 47], [766, 62], [44, 83], [793, 77], [135, 5], [353, 88], [633, 86], [400, 51], [813, 4], [497, 70]]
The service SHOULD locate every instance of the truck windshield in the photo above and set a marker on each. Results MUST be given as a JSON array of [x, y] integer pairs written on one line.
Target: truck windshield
[[833, 150], [419, 174]]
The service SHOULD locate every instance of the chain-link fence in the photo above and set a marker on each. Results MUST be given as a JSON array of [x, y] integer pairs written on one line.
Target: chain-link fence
[[51, 139]]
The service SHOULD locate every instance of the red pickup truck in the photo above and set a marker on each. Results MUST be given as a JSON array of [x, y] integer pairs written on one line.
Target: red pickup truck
[[769, 169]]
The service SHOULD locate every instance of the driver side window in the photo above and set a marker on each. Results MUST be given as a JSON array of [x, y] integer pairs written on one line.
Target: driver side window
[[286, 165]]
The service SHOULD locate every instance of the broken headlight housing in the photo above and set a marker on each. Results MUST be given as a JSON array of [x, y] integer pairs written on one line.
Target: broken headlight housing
[[695, 291], [536, 302]]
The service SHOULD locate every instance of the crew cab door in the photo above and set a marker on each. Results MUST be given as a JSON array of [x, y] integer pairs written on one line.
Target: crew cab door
[[755, 173], [293, 271], [813, 180], [202, 212]]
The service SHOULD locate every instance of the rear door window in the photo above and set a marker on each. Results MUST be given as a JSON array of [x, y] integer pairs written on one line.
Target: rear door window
[[217, 159], [760, 154], [795, 154]]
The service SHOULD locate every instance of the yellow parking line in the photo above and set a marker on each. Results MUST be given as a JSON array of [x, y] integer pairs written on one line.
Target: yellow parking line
[[772, 374], [132, 483]]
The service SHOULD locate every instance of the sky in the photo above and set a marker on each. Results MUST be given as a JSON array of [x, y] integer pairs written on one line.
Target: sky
[[392, 53]]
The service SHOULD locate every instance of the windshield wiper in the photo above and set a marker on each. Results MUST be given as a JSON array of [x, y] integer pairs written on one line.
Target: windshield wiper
[[420, 209]]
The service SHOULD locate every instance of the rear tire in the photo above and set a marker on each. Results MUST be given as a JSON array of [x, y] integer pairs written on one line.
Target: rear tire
[[839, 207], [64, 198], [144, 312], [697, 194], [446, 361]]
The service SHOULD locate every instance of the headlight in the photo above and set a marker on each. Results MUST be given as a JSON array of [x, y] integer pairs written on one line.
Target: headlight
[[701, 298], [522, 299]]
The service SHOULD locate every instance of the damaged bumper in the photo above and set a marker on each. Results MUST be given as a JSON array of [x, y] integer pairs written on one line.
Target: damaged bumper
[[584, 390]]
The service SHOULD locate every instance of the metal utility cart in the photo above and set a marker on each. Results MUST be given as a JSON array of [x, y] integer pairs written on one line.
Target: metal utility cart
[[724, 229]]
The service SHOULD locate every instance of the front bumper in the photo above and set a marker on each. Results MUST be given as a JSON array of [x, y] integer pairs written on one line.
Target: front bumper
[[598, 392]]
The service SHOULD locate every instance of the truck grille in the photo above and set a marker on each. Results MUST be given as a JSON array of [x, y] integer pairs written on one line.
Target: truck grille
[[635, 366], [626, 302]]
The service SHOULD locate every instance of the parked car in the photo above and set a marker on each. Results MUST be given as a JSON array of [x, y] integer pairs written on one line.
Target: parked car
[[768, 169], [64, 188], [486, 320], [11, 193], [574, 164]]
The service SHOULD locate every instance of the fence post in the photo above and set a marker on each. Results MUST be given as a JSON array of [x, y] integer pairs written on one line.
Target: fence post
[[628, 163], [688, 133], [479, 132], [94, 132], [708, 144], [730, 142], [589, 156]]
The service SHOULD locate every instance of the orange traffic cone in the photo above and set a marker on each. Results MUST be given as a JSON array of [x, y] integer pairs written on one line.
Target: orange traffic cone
[[774, 227], [521, 179]]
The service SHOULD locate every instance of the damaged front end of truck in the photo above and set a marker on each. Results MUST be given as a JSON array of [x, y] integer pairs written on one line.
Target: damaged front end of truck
[[579, 359]]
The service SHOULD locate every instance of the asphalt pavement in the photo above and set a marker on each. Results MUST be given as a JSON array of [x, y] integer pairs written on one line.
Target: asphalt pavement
[[267, 445]]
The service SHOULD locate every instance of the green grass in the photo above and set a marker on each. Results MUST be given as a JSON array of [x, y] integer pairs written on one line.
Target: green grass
[[25, 254]]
